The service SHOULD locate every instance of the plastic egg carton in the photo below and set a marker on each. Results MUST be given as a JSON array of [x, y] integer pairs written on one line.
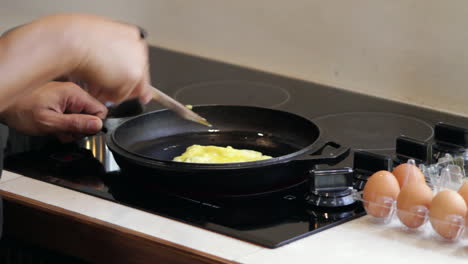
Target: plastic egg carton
[[416, 220], [445, 174]]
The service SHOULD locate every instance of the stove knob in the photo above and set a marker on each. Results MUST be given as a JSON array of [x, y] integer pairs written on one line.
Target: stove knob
[[331, 198], [449, 139], [409, 148], [365, 164]]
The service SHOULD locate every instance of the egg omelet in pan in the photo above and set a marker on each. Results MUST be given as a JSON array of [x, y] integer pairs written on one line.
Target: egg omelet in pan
[[215, 154]]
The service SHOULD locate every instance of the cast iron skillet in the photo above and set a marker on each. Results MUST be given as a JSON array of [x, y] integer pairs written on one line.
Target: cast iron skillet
[[144, 146]]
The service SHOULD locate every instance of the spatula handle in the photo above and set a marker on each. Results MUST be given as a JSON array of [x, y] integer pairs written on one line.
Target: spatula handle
[[177, 107]]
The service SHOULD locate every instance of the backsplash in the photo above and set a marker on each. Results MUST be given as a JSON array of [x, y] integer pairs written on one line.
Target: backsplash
[[412, 51]]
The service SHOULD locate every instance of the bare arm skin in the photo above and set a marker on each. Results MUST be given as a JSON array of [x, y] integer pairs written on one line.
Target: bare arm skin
[[109, 56]]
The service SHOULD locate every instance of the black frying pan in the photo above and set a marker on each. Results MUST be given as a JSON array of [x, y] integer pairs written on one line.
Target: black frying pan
[[144, 147]]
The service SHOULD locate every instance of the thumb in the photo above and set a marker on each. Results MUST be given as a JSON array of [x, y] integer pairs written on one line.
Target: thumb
[[74, 123]]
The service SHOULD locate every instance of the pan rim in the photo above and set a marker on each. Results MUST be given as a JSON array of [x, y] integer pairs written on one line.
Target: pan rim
[[114, 145]]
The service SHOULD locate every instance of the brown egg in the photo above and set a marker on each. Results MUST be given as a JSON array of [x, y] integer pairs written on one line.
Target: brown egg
[[407, 173], [413, 204], [463, 191], [380, 192], [447, 212]]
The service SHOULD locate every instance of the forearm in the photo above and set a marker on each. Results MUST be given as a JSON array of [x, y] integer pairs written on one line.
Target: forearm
[[33, 55]]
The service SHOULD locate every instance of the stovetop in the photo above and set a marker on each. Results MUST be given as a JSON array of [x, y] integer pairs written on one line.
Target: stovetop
[[271, 219]]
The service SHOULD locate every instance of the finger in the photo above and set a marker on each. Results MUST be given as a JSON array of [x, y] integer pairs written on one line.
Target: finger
[[115, 96], [79, 101], [147, 95], [137, 77], [140, 31], [10, 30], [53, 121], [143, 90]]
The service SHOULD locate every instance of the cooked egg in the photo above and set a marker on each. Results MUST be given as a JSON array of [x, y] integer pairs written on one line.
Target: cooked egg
[[380, 193], [413, 204], [216, 154], [447, 213], [407, 173]]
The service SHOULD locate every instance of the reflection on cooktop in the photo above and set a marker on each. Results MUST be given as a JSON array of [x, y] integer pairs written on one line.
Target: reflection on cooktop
[[271, 219], [372, 131], [233, 92]]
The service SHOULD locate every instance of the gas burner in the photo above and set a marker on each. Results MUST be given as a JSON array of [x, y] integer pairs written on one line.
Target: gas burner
[[372, 131], [331, 188], [233, 93]]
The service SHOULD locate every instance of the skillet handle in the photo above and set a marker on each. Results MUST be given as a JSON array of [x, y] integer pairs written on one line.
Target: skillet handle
[[121, 112], [335, 156]]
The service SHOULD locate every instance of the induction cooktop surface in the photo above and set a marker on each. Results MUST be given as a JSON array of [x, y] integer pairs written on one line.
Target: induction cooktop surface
[[270, 218]]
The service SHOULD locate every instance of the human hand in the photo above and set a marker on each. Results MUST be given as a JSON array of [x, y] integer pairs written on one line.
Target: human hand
[[109, 56], [60, 108], [112, 57]]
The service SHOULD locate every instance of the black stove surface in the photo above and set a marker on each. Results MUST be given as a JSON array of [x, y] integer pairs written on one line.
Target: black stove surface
[[272, 218]]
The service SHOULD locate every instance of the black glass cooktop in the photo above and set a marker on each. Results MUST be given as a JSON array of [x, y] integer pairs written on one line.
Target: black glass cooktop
[[270, 218]]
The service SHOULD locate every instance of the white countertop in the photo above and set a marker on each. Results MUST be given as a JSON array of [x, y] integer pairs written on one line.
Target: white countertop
[[359, 239]]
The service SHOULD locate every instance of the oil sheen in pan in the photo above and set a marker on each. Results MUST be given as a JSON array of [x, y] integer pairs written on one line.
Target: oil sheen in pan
[[167, 148]]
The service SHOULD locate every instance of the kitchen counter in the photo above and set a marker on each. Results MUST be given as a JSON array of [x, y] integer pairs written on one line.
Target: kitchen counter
[[101, 231], [106, 231]]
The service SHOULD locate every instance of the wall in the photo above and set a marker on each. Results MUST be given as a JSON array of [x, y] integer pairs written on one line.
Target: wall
[[409, 50]]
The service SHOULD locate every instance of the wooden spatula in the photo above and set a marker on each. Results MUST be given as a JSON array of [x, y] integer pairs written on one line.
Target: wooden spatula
[[177, 107]]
